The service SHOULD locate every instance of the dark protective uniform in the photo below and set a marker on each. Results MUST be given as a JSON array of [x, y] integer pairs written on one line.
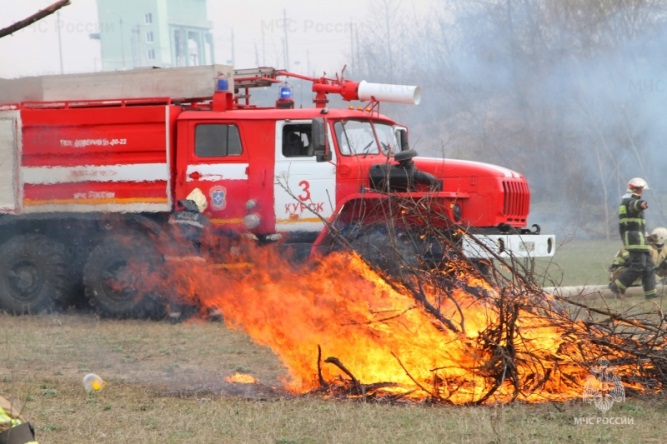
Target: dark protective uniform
[[633, 234], [187, 224], [14, 429]]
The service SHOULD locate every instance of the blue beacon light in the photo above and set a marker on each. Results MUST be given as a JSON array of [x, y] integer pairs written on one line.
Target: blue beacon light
[[285, 92], [222, 84]]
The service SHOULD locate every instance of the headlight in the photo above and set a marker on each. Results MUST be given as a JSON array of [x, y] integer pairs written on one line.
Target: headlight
[[251, 204], [457, 212], [251, 221]]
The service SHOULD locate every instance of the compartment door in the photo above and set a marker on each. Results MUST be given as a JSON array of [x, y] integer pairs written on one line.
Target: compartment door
[[10, 141]]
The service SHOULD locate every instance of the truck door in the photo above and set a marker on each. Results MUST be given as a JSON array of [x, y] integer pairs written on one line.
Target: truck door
[[303, 187], [216, 161]]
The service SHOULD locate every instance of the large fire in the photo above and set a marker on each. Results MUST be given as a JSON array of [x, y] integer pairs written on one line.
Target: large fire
[[341, 328]]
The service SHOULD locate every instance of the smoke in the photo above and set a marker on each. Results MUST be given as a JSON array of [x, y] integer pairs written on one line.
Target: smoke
[[571, 94]]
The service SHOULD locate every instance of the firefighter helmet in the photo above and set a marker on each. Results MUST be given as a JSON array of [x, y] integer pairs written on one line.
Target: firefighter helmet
[[659, 236], [637, 185], [198, 198]]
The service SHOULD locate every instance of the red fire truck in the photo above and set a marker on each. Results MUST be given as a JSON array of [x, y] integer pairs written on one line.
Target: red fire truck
[[90, 161]]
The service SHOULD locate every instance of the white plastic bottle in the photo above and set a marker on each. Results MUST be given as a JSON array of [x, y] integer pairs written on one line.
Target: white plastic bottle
[[93, 383]]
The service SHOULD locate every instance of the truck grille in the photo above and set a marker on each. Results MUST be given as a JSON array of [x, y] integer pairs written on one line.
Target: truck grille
[[516, 199]]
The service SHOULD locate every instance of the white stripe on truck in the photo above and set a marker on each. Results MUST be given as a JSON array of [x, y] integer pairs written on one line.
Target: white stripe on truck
[[142, 172]]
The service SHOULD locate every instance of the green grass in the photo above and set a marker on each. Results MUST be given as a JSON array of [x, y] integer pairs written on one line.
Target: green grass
[[578, 263]]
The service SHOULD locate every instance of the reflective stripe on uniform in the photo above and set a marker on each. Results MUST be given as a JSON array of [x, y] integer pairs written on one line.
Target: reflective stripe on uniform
[[620, 285], [6, 419], [188, 258], [651, 293], [625, 220], [186, 222]]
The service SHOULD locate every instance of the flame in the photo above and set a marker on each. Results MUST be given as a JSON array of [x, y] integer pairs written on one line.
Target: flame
[[241, 378], [337, 323]]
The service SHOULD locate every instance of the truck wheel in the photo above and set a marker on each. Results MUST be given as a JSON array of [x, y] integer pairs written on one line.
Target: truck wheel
[[376, 248], [113, 276], [34, 275]]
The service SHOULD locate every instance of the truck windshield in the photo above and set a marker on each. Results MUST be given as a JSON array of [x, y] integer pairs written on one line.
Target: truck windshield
[[387, 137], [357, 138]]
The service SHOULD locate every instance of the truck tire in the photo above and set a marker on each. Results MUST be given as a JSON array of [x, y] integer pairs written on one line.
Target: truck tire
[[376, 248], [111, 285], [34, 275]]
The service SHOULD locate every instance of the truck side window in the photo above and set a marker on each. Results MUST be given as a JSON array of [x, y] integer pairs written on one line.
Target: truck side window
[[296, 141], [217, 140]]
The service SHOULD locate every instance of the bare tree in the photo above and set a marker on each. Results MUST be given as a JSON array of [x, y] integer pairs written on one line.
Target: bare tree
[[565, 92]]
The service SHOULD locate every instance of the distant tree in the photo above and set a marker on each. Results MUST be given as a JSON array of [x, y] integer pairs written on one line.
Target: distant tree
[[566, 92]]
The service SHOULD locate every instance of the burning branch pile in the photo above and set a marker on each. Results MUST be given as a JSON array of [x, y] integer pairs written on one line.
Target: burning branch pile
[[455, 333]]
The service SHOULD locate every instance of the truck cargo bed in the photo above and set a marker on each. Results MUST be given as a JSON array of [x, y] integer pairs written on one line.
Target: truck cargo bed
[[88, 159]]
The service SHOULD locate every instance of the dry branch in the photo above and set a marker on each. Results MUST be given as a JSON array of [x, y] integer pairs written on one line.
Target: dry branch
[[357, 386], [505, 357], [33, 18], [613, 316]]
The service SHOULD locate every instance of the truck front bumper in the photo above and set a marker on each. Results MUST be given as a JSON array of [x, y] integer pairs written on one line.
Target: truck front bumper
[[490, 246]]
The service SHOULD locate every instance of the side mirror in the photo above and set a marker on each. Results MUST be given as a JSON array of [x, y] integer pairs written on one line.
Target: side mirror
[[319, 141], [403, 139]]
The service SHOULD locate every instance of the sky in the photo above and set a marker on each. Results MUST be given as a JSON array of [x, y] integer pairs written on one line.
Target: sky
[[246, 34]]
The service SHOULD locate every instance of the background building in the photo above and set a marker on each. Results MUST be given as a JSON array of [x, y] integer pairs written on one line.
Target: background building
[[163, 33]]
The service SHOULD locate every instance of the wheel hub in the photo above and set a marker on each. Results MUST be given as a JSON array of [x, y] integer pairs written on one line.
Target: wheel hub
[[24, 279], [117, 279]]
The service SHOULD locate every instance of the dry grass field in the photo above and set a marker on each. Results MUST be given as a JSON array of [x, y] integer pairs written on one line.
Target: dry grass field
[[167, 384]]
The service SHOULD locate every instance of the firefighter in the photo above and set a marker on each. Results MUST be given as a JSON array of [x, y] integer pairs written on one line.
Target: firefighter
[[13, 428], [658, 252], [188, 225], [190, 222], [632, 229]]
